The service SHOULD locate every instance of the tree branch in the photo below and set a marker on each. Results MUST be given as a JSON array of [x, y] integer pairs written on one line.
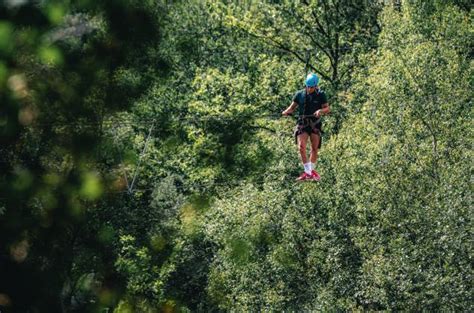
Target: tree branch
[[275, 43]]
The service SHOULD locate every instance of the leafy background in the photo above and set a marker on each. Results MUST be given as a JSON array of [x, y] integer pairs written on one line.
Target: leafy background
[[145, 166]]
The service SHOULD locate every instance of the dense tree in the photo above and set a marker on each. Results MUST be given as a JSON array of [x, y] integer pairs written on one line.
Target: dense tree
[[59, 84], [145, 165], [387, 227]]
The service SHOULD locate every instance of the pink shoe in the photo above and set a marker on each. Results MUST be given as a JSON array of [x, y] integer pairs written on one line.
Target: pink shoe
[[315, 176], [304, 176]]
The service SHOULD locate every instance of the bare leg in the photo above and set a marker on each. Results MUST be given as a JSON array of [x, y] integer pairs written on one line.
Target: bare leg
[[302, 140], [314, 148]]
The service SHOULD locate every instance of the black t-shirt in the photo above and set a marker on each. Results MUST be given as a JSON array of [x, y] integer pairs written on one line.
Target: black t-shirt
[[314, 101]]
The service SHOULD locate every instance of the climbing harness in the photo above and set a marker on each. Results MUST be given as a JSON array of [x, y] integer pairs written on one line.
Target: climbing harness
[[309, 124]]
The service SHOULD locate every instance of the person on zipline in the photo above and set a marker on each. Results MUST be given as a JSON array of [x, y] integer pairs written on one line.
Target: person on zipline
[[312, 104]]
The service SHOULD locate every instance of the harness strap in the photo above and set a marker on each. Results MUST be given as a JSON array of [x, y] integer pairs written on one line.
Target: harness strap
[[305, 122]]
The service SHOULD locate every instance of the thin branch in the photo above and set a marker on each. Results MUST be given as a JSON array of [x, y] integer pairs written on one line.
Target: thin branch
[[307, 31], [336, 58], [327, 9], [317, 44], [319, 26], [279, 45]]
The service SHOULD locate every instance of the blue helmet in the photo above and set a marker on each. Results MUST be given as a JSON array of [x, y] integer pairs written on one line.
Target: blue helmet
[[312, 80]]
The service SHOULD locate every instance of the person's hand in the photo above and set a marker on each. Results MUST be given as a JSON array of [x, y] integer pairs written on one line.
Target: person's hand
[[285, 113], [317, 113]]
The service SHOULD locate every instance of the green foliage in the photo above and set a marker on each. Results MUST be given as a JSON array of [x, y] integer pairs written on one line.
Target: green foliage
[[135, 264], [145, 165], [415, 118], [389, 219], [55, 93]]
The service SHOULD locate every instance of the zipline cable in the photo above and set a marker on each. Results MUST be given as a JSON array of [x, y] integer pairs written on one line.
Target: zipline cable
[[147, 121], [137, 169]]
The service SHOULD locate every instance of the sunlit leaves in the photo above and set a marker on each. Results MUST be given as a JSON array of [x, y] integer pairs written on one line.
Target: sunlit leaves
[[215, 221], [134, 263], [393, 169], [366, 237]]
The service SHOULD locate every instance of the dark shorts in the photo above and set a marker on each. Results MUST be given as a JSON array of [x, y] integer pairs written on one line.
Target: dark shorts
[[309, 126]]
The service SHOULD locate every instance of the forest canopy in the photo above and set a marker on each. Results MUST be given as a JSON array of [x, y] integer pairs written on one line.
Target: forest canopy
[[145, 165]]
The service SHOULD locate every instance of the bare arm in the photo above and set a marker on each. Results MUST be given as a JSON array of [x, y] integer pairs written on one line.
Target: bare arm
[[290, 109], [324, 111]]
